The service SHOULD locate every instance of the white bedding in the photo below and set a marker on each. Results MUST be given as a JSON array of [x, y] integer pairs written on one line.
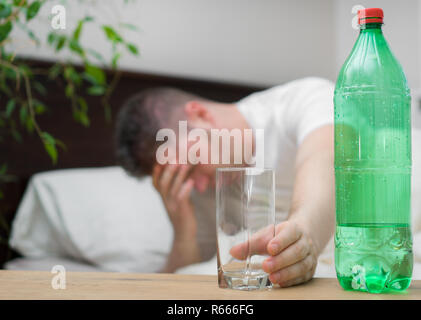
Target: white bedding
[[99, 217]]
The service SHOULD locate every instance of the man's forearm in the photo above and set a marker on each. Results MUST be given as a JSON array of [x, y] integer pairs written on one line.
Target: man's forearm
[[313, 201], [183, 253]]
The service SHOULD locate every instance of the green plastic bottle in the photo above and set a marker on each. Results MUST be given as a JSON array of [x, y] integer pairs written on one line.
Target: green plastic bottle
[[373, 241]]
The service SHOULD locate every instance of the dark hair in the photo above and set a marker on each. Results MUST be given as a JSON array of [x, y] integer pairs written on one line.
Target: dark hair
[[138, 122]]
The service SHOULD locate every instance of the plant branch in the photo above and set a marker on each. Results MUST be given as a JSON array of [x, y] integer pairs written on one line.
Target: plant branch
[[15, 14], [110, 89], [28, 93]]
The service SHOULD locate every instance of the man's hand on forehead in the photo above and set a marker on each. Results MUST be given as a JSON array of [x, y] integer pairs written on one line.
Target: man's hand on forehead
[[175, 186], [170, 178]]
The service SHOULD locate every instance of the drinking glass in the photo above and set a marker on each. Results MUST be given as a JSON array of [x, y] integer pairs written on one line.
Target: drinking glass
[[245, 221]]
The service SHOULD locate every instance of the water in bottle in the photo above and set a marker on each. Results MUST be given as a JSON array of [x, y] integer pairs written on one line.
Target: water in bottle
[[373, 242]]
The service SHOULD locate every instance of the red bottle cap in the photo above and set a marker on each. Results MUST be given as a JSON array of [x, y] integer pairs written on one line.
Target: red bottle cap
[[370, 15]]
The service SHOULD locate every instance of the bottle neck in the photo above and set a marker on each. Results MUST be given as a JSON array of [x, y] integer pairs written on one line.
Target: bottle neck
[[370, 37], [371, 27]]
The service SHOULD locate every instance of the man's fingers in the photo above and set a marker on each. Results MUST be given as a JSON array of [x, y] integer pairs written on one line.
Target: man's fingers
[[179, 180], [291, 255], [156, 174], [286, 234], [294, 274], [240, 251], [185, 190], [166, 179], [257, 245]]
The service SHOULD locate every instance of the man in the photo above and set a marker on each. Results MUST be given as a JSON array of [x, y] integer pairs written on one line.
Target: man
[[298, 141]]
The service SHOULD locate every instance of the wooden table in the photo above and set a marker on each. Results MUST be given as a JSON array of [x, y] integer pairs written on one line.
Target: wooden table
[[104, 285]]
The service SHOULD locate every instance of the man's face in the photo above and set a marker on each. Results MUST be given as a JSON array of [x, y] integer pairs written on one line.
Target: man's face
[[203, 176], [202, 173], [194, 135]]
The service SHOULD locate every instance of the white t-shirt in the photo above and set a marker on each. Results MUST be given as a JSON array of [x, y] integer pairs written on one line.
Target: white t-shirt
[[287, 114]]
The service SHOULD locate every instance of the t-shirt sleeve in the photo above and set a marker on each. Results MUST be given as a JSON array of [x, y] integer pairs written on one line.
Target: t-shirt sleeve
[[310, 107]]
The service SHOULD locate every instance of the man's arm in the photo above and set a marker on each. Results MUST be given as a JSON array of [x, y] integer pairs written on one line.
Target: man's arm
[[313, 200], [299, 240], [312, 215], [174, 186]]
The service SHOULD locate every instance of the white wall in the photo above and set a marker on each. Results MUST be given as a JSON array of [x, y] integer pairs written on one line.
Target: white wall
[[250, 41], [238, 40]]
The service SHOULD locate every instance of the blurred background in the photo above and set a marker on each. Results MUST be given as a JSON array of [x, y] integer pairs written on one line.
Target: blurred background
[[109, 49], [243, 41]]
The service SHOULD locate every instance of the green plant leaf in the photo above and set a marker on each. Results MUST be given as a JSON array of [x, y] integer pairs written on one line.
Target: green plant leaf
[[39, 88], [29, 124], [32, 10], [9, 73], [111, 34], [28, 31], [83, 104], [129, 26], [95, 75], [11, 104], [52, 151], [115, 59], [69, 91], [78, 30], [60, 43], [32, 36], [5, 30], [5, 9], [72, 75], [60, 144], [81, 117], [19, 3], [96, 91], [39, 107], [23, 114], [50, 146], [84, 120], [25, 70], [51, 38], [48, 138], [132, 48], [75, 47], [54, 71], [3, 169], [96, 55]]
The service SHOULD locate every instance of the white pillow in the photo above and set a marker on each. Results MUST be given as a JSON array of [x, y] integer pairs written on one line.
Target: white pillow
[[100, 216]]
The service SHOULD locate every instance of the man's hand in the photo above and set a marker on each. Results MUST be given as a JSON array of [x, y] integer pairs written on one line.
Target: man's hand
[[293, 255], [299, 240], [175, 188]]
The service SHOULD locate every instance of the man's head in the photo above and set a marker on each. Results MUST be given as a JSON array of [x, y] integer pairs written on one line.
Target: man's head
[[145, 113]]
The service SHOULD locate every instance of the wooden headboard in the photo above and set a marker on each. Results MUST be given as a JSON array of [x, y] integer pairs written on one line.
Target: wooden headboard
[[85, 147]]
